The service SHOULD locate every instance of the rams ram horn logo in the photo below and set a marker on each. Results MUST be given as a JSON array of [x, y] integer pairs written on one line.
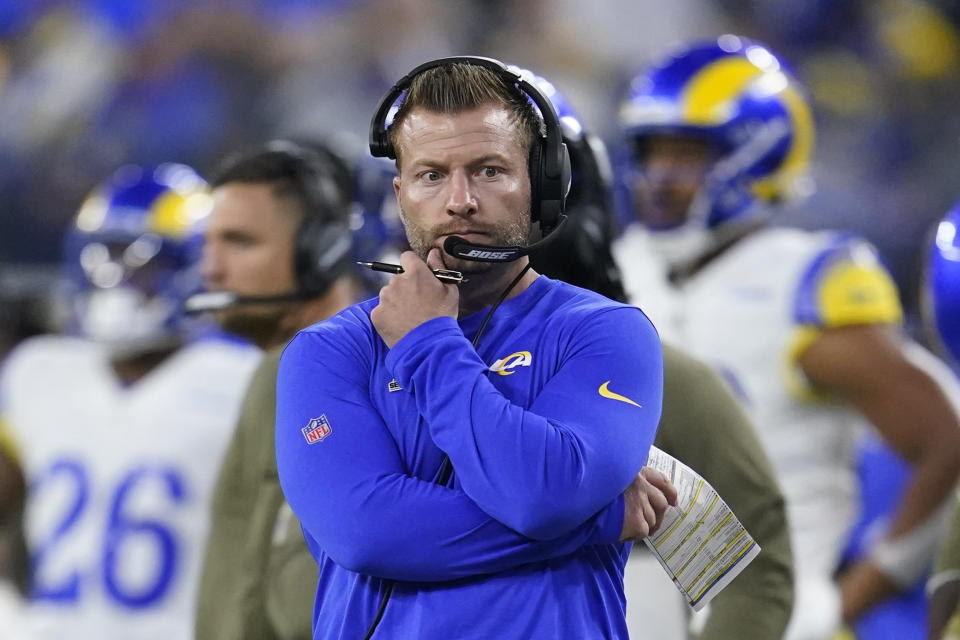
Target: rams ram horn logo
[[505, 366]]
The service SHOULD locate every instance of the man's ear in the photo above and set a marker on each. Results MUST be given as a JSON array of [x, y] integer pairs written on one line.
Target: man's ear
[[396, 192]]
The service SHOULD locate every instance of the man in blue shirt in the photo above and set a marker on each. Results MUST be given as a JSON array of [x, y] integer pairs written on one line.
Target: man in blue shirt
[[544, 410]]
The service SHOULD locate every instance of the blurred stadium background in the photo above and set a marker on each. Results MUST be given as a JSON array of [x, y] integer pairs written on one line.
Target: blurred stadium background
[[87, 85]]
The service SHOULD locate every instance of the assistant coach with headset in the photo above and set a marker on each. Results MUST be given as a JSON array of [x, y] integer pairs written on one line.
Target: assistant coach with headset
[[466, 460], [277, 258]]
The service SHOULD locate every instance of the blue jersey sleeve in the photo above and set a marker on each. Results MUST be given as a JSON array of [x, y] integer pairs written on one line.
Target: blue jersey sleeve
[[355, 498], [545, 470]]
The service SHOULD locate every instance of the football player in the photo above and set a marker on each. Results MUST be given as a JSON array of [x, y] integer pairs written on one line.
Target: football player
[[120, 426], [805, 325]]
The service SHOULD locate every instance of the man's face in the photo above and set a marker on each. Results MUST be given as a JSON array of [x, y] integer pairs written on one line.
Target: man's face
[[248, 250], [672, 170], [463, 174]]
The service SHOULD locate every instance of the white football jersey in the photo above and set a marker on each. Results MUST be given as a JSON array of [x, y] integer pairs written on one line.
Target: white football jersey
[[750, 312], [120, 481], [645, 279]]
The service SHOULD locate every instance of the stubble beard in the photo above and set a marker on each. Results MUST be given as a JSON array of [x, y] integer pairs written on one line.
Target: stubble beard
[[256, 325], [422, 240]]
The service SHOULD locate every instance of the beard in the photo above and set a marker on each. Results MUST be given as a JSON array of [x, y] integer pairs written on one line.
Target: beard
[[515, 232], [254, 324]]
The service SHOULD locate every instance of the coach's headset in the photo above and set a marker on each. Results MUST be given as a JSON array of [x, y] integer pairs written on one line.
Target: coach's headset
[[548, 165], [323, 244]]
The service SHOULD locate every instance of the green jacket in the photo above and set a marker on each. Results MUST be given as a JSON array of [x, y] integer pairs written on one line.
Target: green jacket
[[258, 581], [703, 425]]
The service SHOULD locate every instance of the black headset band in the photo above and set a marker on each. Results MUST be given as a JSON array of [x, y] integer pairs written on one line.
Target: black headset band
[[380, 146]]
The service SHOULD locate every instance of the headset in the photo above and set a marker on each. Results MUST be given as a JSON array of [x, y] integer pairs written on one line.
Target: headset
[[323, 243], [548, 164]]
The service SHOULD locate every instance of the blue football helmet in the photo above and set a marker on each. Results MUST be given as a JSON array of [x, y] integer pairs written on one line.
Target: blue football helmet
[[742, 100], [942, 285], [132, 257], [378, 232]]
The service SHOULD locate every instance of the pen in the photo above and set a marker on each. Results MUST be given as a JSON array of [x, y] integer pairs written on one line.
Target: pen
[[443, 275]]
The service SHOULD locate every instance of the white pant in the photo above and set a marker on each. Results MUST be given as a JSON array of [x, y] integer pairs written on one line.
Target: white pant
[[817, 611], [655, 609]]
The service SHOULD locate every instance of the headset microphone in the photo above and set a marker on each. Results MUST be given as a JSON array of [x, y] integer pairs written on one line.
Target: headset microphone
[[208, 301], [460, 248]]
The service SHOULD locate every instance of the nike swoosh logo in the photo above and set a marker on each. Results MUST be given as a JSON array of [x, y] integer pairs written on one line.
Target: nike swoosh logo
[[606, 393]]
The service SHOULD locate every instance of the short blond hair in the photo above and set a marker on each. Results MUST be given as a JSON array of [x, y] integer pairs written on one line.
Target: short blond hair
[[459, 86]]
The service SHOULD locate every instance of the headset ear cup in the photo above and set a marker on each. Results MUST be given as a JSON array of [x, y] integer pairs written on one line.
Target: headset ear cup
[[535, 168], [550, 222], [303, 254], [323, 244], [551, 191], [382, 147], [322, 253]]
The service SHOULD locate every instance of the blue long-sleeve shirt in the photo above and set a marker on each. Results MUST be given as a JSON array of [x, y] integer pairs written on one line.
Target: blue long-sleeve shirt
[[546, 423]]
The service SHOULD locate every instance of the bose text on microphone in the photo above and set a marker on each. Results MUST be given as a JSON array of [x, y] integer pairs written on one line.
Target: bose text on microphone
[[460, 248]]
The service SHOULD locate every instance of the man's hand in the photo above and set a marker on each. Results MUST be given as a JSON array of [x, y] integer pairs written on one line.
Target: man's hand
[[863, 585], [413, 297], [645, 502]]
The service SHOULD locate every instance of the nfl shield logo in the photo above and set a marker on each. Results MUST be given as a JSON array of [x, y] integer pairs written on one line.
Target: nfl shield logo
[[316, 430]]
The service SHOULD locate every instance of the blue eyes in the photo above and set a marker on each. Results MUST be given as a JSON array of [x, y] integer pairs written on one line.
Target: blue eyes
[[485, 172]]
